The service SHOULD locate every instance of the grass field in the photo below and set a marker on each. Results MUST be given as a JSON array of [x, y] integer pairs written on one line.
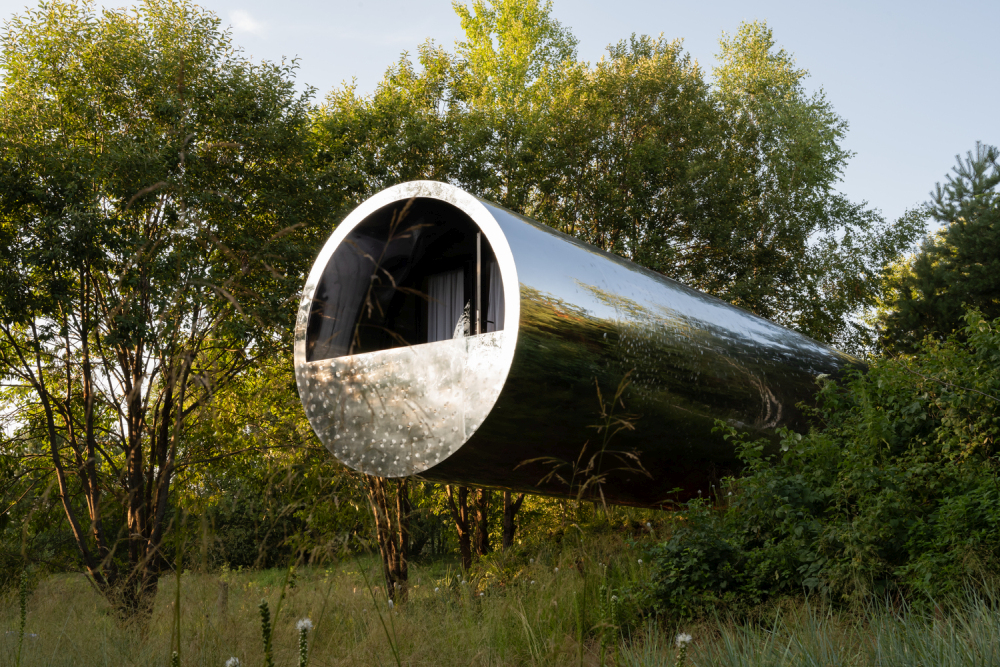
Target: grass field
[[511, 612]]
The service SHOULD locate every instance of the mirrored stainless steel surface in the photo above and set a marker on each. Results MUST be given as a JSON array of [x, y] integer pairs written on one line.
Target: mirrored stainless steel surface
[[484, 409]]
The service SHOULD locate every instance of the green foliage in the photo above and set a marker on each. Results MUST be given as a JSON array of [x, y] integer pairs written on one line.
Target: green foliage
[[265, 492], [398, 134], [727, 188], [509, 45], [157, 213], [894, 490], [632, 163], [809, 257], [957, 268]]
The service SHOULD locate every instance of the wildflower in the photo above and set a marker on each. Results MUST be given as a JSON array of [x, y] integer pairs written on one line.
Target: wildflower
[[640, 561], [436, 589], [482, 594], [649, 525], [730, 493], [233, 662], [683, 639], [304, 626], [531, 561], [532, 581], [557, 569], [390, 603]]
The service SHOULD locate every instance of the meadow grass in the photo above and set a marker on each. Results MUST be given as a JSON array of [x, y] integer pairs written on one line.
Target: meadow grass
[[496, 617]]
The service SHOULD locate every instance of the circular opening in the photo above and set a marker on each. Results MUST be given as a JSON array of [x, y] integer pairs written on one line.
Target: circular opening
[[405, 332]]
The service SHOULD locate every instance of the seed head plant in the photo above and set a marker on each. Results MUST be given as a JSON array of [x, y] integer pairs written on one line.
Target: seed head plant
[[266, 633], [682, 641], [304, 626]]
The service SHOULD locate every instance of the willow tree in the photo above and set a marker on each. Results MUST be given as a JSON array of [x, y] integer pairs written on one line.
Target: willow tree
[[155, 189]]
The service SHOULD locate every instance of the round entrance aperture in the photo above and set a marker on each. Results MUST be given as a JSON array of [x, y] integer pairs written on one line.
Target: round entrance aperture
[[406, 329]]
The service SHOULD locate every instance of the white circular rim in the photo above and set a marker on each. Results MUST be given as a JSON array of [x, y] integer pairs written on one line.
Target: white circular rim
[[444, 192]]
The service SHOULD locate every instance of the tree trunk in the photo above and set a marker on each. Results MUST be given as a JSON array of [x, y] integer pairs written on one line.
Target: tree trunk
[[460, 512], [510, 509], [391, 506], [483, 498]]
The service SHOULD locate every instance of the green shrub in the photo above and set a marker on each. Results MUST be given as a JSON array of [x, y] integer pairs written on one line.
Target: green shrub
[[894, 490]]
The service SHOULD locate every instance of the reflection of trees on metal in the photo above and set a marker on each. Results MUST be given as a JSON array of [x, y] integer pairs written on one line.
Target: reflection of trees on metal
[[472, 407]]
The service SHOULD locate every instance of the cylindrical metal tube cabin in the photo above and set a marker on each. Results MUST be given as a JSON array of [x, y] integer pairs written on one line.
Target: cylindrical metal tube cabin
[[443, 336]]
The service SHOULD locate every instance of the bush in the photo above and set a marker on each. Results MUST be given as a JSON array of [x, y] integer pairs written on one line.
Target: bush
[[894, 490]]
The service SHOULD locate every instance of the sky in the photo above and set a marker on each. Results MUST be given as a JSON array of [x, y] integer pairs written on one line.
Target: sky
[[917, 81]]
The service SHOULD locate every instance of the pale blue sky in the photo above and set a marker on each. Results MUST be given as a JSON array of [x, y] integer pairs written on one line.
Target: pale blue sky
[[917, 81]]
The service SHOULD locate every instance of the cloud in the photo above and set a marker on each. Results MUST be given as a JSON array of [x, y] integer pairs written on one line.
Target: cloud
[[243, 22]]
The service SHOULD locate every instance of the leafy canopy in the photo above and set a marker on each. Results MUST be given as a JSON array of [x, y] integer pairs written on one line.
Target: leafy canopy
[[729, 188], [956, 268], [508, 46], [157, 209]]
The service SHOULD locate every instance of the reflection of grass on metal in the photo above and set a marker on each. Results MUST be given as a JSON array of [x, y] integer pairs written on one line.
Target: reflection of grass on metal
[[585, 476]]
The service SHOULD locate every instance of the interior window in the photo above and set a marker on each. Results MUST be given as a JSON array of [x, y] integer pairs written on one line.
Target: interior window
[[406, 275]]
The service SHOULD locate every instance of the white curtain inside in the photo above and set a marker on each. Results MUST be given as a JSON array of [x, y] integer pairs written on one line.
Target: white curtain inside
[[444, 310], [494, 310]]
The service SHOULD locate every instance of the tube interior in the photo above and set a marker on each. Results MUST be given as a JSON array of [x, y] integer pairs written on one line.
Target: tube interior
[[414, 272]]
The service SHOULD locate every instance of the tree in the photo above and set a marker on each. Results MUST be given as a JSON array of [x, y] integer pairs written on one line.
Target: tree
[[511, 506], [499, 90], [154, 187], [464, 526], [809, 258], [631, 164], [398, 134], [958, 267]]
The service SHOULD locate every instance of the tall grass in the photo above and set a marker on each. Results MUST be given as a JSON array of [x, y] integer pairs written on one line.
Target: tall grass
[[496, 617]]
